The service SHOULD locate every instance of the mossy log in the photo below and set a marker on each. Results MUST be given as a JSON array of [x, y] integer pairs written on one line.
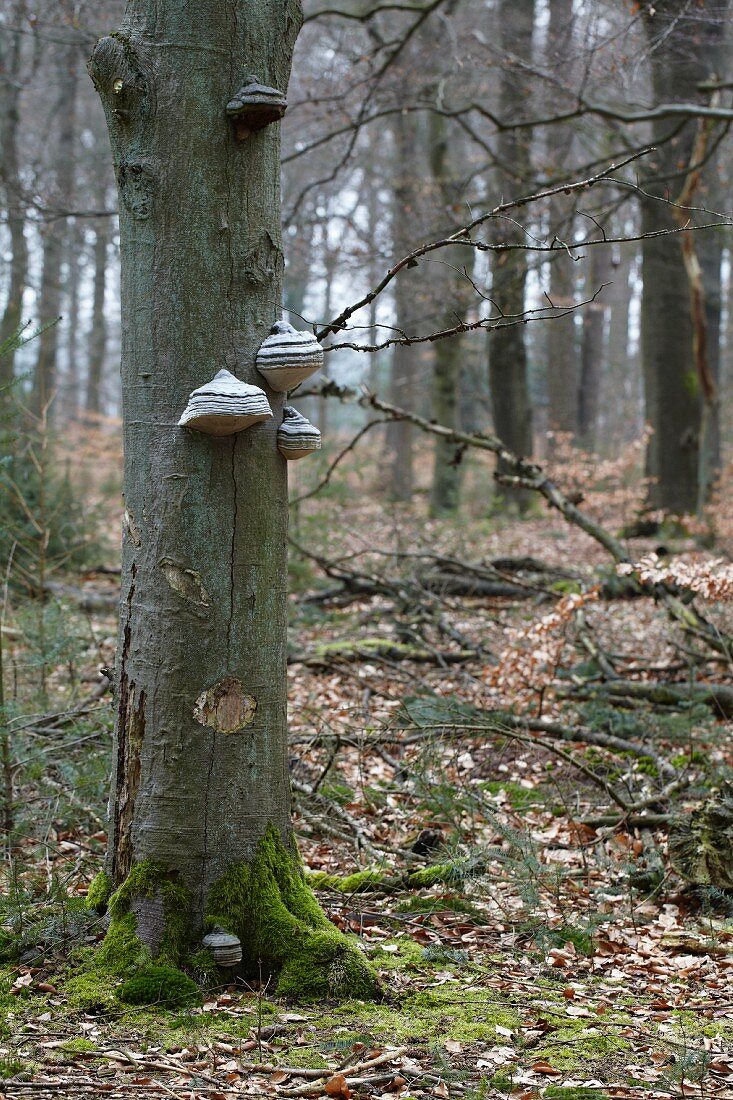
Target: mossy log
[[718, 697], [376, 880], [366, 649], [701, 846]]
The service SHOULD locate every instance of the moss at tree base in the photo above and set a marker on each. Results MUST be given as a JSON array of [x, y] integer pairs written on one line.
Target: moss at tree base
[[99, 892], [266, 904], [160, 985], [272, 910]]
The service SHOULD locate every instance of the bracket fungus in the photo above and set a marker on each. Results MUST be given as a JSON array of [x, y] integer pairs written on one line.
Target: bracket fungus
[[287, 357], [225, 948], [255, 106], [225, 406], [296, 436]]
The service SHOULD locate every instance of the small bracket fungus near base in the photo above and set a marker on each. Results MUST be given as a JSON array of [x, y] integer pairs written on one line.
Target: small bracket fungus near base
[[225, 406], [226, 949], [255, 106], [226, 707], [296, 436], [287, 357]]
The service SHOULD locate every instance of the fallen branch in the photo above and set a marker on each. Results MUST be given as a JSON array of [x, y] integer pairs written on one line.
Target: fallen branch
[[718, 697]]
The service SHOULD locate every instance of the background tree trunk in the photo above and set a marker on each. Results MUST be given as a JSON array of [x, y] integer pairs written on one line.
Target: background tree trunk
[[10, 61], [45, 378], [685, 53], [200, 831], [510, 402], [98, 331], [458, 293], [402, 361], [593, 347]]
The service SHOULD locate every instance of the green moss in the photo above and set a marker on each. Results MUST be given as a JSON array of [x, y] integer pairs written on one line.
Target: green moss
[[447, 873], [359, 882], [408, 956], [121, 951], [99, 892], [563, 1092], [11, 1067], [202, 966], [151, 879], [569, 1047], [446, 902], [89, 991], [160, 985], [79, 1046], [433, 1015], [268, 905], [91, 987], [306, 1058]]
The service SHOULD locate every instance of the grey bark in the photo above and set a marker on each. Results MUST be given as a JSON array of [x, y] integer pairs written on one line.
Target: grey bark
[[202, 645], [10, 62], [686, 51], [72, 344], [402, 362], [45, 376], [508, 382], [594, 344], [710, 255], [563, 366], [98, 333], [457, 292]]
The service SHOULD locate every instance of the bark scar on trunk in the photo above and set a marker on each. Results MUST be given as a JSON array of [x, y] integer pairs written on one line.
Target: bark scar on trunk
[[226, 707], [131, 727], [186, 582]]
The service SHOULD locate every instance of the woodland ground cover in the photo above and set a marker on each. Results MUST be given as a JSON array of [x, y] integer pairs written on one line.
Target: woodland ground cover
[[471, 802]]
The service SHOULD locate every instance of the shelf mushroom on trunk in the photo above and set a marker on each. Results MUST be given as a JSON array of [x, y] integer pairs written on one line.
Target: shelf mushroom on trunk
[[255, 106], [225, 405], [296, 436], [287, 357]]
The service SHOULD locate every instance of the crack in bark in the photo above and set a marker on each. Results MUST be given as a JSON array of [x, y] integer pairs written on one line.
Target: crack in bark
[[207, 793], [233, 548]]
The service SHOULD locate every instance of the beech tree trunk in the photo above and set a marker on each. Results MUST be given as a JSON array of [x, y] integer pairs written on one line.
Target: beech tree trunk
[[45, 378], [457, 293], [685, 54], [593, 347], [200, 830], [97, 343], [402, 361], [10, 60], [508, 382]]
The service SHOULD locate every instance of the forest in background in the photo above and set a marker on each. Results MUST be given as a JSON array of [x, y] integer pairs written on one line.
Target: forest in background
[[510, 636]]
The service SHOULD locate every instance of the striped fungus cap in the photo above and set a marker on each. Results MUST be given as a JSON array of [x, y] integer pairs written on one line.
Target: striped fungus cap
[[296, 436], [225, 406], [287, 357]]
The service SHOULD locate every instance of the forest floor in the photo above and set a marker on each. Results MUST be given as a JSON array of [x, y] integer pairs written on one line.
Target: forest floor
[[557, 953]]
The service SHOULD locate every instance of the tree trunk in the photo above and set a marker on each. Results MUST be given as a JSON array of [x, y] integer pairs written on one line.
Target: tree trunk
[[11, 187], [563, 366], [201, 833], [686, 47], [457, 292], [508, 382], [72, 343], [593, 348], [710, 254], [45, 377], [98, 331], [402, 362]]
